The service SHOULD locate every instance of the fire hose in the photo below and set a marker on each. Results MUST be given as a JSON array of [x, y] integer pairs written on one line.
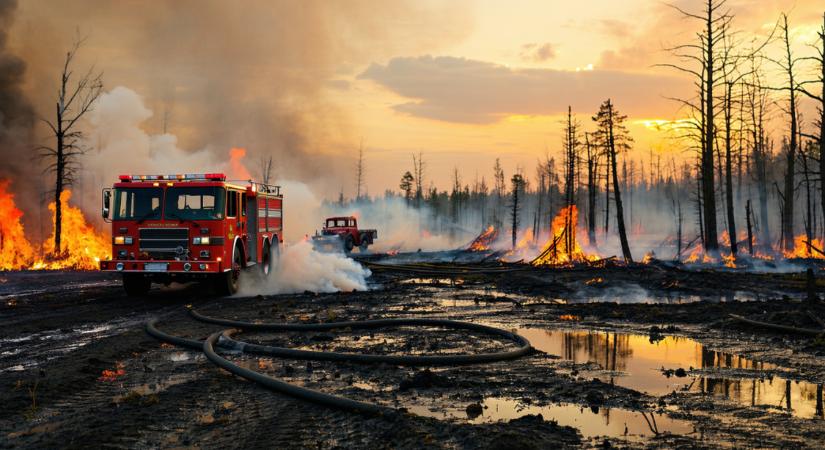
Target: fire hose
[[223, 339]]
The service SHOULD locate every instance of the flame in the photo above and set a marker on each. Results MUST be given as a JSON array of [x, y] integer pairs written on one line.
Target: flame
[[15, 250], [804, 248], [83, 246], [236, 154], [113, 375], [483, 241], [555, 251], [569, 317]]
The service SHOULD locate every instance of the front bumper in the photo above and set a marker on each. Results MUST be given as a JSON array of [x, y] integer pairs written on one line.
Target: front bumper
[[155, 267]]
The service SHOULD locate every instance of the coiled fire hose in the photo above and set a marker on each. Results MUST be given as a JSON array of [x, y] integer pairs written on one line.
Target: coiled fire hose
[[224, 339]]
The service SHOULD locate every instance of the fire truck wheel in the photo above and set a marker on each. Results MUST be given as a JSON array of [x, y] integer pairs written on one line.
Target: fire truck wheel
[[269, 260], [228, 283], [136, 285], [349, 244]]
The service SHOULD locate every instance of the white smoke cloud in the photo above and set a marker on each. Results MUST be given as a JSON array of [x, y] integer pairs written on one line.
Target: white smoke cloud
[[301, 268], [122, 146]]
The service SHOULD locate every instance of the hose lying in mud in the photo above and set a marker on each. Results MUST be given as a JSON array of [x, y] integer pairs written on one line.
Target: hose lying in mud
[[224, 339], [445, 270], [778, 327]]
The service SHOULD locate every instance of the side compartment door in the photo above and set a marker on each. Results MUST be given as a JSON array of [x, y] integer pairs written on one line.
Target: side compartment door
[[250, 205]]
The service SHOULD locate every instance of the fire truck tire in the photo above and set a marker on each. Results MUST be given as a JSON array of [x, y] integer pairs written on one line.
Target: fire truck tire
[[349, 244], [229, 282], [136, 285], [269, 260]]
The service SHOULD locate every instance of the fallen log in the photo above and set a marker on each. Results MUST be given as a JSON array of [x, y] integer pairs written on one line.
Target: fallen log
[[813, 247], [777, 327]]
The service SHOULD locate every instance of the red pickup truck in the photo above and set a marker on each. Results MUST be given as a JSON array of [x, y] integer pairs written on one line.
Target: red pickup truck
[[342, 233]]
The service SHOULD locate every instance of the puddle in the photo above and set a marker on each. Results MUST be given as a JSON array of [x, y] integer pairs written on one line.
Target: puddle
[[633, 361], [615, 422]]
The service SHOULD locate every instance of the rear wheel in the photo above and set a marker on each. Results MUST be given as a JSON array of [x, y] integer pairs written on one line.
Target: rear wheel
[[136, 285], [270, 260], [365, 243], [229, 282]]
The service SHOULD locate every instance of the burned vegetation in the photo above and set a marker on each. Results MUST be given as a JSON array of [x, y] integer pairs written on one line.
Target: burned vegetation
[[615, 297]]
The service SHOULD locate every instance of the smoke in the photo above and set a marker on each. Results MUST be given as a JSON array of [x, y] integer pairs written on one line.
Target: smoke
[[301, 268], [17, 118], [262, 76], [400, 226]]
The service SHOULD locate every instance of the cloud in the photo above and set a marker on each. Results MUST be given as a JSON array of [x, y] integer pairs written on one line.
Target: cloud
[[538, 52], [615, 28], [463, 90]]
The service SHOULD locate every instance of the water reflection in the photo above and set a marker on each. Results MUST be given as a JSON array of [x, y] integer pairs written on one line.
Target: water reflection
[[590, 422], [635, 361]]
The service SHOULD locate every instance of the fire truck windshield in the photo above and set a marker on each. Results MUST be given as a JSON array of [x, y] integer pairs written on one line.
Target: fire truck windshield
[[195, 203], [138, 203]]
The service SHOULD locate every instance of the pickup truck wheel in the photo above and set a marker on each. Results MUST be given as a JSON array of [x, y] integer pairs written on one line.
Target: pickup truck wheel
[[363, 247], [136, 285], [229, 281], [349, 244]]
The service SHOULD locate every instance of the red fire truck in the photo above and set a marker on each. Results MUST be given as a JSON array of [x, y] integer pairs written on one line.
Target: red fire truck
[[191, 227]]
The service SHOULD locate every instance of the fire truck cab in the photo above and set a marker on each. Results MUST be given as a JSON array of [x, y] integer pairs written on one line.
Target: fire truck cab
[[191, 227]]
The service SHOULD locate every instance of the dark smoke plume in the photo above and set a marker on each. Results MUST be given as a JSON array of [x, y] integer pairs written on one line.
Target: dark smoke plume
[[17, 119]]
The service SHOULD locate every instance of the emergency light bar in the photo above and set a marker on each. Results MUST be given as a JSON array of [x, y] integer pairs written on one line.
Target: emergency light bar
[[178, 177]]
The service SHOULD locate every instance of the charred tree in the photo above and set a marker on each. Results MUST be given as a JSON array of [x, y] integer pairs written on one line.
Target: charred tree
[[820, 100], [499, 189], [73, 102], [571, 148], [592, 187], [518, 183], [359, 172], [614, 138], [788, 66], [748, 213], [418, 168], [701, 60]]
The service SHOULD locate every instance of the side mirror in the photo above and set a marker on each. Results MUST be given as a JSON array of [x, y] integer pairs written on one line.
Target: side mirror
[[107, 200]]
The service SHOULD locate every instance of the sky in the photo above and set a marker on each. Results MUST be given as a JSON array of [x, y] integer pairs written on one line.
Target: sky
[[463, 82]]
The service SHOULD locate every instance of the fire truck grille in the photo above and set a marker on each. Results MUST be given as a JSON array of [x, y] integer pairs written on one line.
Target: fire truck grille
[[164, 243]]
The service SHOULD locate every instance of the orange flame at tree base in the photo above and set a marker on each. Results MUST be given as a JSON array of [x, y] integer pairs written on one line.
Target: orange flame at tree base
[[563, 247], [83, 246]]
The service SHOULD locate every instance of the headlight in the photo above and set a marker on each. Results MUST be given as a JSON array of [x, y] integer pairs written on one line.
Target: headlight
[[196, 241], [128, 240], [201, 240]]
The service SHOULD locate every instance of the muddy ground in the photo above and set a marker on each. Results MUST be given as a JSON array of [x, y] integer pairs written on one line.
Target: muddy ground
[[636, 357]]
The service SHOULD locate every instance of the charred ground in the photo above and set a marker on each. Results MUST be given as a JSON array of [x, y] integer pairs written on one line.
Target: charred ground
[[78, 369]]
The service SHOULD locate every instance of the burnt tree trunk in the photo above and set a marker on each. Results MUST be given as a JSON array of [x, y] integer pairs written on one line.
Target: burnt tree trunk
[[790, 157], [748, 224], [728, 170], [617, 194], [60, 167], [708, 193]]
